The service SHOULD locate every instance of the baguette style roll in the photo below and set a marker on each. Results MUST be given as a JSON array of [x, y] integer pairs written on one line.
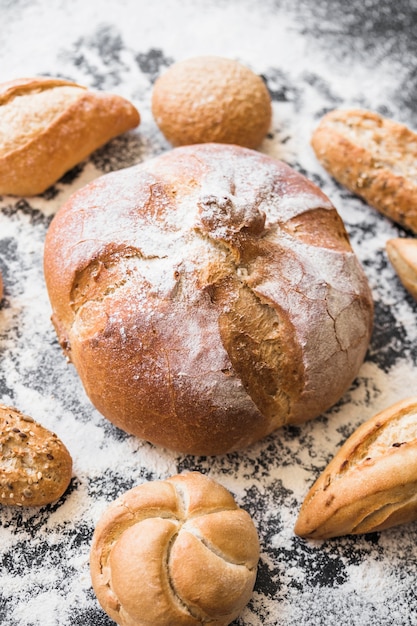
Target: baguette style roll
[[49, 125], [35, 466], [371, 483], [402, 252], [177, 551], [374, 157], [207, 297]]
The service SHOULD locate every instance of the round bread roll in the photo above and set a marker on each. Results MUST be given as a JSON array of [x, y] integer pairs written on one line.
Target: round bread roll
[[212, 99], [178, 551], [207, 297], [1, 286]]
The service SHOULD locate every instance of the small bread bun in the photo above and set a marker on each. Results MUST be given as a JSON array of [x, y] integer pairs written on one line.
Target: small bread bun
[[212, 99], [49, 125], [226, 303], [178, 551], [370, 484], [35, 466], [1, 286], [374, 157]]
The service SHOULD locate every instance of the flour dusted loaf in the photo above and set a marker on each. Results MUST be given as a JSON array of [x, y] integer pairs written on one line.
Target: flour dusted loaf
[[207, 297], [35, 466], [371, 484], [212, 99], [177, 551], [49, 125], [374, 157]]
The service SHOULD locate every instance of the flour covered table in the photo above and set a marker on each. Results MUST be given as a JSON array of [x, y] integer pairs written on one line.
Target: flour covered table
[[313, 57]]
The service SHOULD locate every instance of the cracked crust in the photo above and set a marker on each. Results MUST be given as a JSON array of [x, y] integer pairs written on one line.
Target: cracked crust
[[178, 551], [370, 484], [49, 125], [374, 157], [207, 297]]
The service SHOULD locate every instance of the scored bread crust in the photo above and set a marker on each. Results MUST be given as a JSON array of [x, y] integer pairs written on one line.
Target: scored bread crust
[[66, 126], [35, 465], [374, 157], [370, 485], [207, 297], [176, 551]]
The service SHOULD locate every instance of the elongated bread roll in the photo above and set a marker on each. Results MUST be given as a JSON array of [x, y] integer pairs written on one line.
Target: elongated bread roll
[[374, 157], [35, 466], [371, 484], [49, 125], [402, 253]]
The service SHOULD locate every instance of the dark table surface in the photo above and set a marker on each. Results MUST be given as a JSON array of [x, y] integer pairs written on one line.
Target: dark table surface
[[314, 56]]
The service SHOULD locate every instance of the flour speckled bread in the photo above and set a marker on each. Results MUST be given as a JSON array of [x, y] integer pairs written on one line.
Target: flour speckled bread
[[374, 157], [49, 125], [402, 252], [177, 551], [207, 297], [35, 466], [212, 99], [371, 483]]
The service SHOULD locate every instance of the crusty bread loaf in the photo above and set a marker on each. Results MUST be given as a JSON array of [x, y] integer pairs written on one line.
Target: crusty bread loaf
[[49, 125], [35, 466], [178, 551], [212, 99], [207, 297], [373, 157], [371, 483], [402, 252]]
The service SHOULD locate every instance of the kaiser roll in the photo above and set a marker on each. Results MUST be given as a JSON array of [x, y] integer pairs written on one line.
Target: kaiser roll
[[174, 552], [207, 297]]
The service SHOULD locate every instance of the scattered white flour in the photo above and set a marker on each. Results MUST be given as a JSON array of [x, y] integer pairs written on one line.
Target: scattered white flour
[[122, 46]]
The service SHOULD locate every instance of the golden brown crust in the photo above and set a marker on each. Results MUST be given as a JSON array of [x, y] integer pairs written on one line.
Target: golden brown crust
[[1, 286], [370, 484], [212, 99], [227, 302], [49, 126], [35, 466], [402, 252], [178, 551], [373, 157]]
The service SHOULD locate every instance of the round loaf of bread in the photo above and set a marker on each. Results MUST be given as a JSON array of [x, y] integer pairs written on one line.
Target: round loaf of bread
[[178, 551], [212, 99], [207, 297]]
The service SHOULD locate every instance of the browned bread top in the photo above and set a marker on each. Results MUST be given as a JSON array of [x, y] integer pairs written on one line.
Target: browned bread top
[[371, 483], [49, 125], [35, 466], [177, 551], [374, 157], [212, 99], [207, 297]]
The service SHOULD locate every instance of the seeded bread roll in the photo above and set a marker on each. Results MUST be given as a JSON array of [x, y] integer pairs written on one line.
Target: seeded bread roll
[[373, 157], [371, 483], [35, 466], [207, 297], [212, 99], [49, 125], [178, 551]]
